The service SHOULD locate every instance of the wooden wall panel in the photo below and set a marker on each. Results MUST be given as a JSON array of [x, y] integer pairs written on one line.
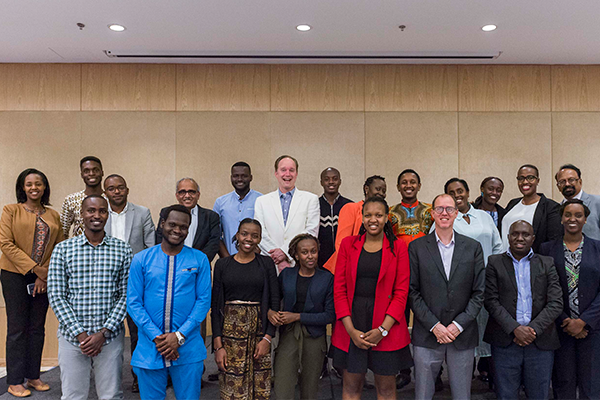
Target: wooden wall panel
[[411, 87], [576, 88], [40, 87], [128, 87], [497, 144], [317, 88], [425, 142], [216, 87], [504, 88]]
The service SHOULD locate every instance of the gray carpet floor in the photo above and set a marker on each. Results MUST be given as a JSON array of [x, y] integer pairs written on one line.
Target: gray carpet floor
[[211, 389]]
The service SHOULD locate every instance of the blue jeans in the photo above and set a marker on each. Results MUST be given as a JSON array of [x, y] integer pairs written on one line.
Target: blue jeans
[[515, 364]]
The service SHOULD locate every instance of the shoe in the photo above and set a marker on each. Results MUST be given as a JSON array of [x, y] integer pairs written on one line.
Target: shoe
[[369, 386], [135, 387], [25, 393], [213, 377], [484, 378], [402, 380], [44, 387], [439, 385]]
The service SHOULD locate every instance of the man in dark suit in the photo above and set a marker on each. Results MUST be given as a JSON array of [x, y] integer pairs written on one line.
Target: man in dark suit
[[524, 298], [205, 232], [447, 280]]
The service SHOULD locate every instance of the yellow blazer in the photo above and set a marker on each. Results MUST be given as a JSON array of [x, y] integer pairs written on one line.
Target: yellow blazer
[[17, 229]]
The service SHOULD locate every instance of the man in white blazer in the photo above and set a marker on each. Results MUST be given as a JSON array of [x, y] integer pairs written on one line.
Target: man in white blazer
[[133, 225], [285, 213]]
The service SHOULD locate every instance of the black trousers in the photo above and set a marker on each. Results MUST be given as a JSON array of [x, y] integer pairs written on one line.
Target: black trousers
[[577, 365], [133, 337], [25, 320]]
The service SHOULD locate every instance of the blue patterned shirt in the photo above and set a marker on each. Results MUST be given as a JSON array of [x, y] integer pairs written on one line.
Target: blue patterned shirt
[[286, 201], [87, 286]]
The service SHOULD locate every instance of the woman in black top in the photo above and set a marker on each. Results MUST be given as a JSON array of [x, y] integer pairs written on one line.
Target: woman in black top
[[244, 289], [307, 293]]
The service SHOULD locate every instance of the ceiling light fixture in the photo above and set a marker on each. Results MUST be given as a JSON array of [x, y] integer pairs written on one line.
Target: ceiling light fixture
[[116, 27], [488, 28], [303, 28]]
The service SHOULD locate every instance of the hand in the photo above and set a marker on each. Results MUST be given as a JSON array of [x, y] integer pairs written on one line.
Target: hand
[[358, 338], [166, 343], [92, 345], [373, 336], [172, 355], [443, 335], [221, 359], [453, 329], [582, 335], [40, 287], [262, 349], [573, 326], [277, 255], [283, 265], [524, 335], [274, 318], [288, 317]]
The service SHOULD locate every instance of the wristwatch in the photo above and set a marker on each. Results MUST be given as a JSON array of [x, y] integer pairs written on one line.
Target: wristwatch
[[106, 333], [383, 331], [180, 338]]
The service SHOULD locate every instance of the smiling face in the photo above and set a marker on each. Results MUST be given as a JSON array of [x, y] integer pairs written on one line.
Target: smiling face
[[307, 253], [374, 218], [94, 212], [573, 218], [461, 195], [91, 173], [520, 238], [286, 175], [377, 188], [175, 228], [568, 182], [187, 194], [408, 187], [241, 178], [331, 181], [444, 219], [116, 190], [248, 238], [528, 180], [34, 187], [492, 191]]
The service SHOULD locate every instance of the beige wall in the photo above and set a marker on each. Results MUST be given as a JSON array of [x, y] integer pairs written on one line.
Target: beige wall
[[157, 123]]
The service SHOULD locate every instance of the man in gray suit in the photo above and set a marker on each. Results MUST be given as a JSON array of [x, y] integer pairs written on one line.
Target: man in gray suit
[[568, 181], [132, 224], [447, 281]]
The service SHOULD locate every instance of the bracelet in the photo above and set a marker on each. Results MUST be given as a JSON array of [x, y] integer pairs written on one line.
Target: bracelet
[[267, 339], [219, 348]]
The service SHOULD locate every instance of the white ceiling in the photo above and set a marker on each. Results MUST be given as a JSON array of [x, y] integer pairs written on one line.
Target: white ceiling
[[529, 31]]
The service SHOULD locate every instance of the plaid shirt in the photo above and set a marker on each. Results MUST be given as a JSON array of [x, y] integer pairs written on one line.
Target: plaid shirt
[[87, 286]]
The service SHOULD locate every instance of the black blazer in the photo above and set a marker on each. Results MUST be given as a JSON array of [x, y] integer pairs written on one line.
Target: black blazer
[[589, 281], [546, 220], [208, 232], [270, 295], [318, 308], [434, 298], [501, 295]]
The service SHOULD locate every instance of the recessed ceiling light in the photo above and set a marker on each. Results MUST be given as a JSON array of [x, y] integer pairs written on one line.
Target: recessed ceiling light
[[488, 28], [303, 28], [116, 28]]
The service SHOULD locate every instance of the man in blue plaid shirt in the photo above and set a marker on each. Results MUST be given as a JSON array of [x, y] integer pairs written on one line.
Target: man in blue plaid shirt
[[87, 287]]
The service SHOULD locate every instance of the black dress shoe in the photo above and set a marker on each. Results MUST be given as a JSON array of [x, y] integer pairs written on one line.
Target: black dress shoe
[[402, 380], [135, 388], [213, 377], [369, 386]]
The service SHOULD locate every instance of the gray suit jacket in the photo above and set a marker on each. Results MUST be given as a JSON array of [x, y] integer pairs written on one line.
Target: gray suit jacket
[[592, 226], [139, 228], [433, 297]]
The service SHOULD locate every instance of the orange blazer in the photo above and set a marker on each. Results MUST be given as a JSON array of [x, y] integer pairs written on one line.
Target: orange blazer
[[390, 296], [349, 223]]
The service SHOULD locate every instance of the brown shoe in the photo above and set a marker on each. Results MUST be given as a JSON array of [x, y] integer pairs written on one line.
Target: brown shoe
[[44, 387], [24, 393]]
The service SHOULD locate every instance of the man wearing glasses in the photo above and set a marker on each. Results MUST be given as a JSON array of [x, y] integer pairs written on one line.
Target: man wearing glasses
[[568, 181], [447, 282]]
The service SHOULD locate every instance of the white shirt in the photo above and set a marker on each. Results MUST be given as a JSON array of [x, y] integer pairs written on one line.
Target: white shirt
[[117, 222], [518, 212], [189, 240], [446, 253]]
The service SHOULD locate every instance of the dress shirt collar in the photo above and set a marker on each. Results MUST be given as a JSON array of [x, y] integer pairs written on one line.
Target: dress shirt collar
[[291, 192], [471, 213], [527, 257], [238, 197], [325, 198], [194, 211], [439, 241], [82, 240], [577, 196], [122, 212]]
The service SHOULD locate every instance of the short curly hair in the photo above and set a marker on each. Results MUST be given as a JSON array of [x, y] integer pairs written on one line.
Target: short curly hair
[[293, 247]]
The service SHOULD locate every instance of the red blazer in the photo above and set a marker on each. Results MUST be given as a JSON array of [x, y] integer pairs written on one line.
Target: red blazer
[[390, 295]]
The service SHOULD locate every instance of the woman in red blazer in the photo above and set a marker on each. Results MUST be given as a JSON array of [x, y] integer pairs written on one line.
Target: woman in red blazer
[[370, 292]]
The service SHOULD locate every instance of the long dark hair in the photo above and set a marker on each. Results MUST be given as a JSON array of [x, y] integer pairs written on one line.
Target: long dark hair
[[388, 231], [22, 196]]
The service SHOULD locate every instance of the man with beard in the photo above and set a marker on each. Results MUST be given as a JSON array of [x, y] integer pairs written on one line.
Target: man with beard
[[235, 206], [132, 224], [91, 173], [87, 288], [568, 181], [168, 297]]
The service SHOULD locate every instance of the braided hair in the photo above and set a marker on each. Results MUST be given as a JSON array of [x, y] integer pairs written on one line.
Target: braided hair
[[388, 231], [370, 181], [293, 247]]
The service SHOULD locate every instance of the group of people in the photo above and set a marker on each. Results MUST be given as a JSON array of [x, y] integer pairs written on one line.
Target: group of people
[[501, 285]]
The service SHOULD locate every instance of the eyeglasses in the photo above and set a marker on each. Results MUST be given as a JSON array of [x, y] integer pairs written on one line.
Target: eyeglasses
[[528, 178], [571, 181], [184, 192], [440, 210]]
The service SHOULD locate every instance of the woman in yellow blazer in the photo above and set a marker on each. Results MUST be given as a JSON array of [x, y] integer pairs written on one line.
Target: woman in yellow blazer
[[28, 233]]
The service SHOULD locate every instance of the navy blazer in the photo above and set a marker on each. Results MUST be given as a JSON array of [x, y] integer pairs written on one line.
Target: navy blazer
[[318, 308], [589, 280]]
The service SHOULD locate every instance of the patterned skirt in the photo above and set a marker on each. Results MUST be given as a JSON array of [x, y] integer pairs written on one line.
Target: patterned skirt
[[245, 378]]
